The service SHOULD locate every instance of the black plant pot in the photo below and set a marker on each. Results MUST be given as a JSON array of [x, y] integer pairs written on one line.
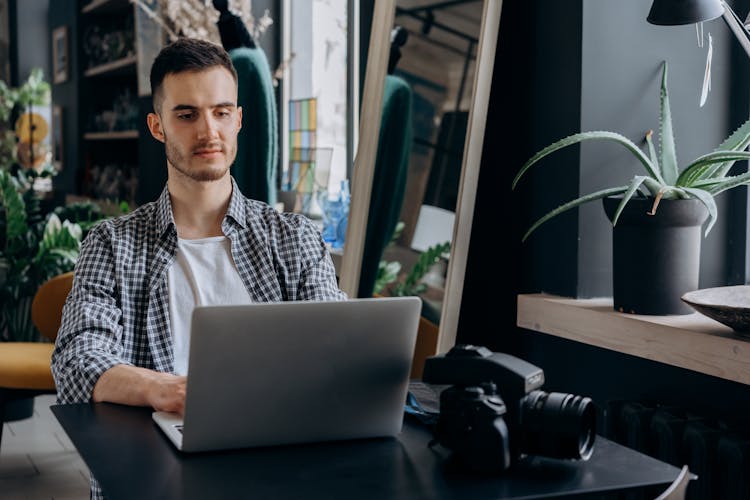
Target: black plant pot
[[656, 258]]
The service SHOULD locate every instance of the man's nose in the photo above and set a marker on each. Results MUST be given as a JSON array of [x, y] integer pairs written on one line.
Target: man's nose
[[207, 127]]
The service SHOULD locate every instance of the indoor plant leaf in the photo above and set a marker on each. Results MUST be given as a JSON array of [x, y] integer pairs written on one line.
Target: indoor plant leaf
[[652, 150], [704, 167], [15, 210], [726, 183], [572, 204], [708, 200], [634, 185], [584, 136], [666, 135]]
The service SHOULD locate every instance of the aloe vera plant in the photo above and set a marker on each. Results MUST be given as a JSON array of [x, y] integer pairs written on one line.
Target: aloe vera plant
[[702, 179]]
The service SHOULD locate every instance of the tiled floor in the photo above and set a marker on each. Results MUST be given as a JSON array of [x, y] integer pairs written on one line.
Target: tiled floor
[[38, 461]]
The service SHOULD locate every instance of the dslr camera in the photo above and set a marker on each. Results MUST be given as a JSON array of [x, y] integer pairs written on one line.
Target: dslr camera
[[494, 411]]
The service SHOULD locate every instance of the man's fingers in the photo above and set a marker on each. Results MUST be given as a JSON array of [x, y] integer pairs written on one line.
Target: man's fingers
[[169, 393]]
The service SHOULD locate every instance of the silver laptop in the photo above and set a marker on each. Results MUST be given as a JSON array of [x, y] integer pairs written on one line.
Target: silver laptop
[[295, 372]]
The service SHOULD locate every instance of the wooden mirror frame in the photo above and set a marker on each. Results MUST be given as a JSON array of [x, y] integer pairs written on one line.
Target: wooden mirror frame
[[364, 162]]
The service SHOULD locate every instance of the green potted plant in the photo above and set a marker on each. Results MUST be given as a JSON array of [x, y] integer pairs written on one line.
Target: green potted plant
[[32, 250], [33, 247], [389, 282], [657, 217]]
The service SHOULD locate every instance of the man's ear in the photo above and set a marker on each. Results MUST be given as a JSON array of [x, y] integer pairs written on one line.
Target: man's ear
[[154, 126], [239, 117]]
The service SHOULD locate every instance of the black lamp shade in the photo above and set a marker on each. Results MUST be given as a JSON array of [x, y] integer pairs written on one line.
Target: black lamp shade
[[674, 12]]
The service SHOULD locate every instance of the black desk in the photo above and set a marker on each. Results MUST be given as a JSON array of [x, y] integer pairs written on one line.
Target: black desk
[[131, 458]]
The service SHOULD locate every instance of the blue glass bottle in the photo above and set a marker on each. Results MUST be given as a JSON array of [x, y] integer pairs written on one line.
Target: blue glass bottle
[[334, 210], [343, 217]]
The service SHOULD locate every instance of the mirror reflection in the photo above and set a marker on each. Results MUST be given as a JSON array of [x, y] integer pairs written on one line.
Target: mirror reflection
[[433, 59]]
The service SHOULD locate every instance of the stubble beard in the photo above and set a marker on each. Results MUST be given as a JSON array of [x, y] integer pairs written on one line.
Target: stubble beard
[[208, 174]]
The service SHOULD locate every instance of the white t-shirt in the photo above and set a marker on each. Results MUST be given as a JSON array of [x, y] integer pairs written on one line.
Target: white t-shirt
[[203, 273]]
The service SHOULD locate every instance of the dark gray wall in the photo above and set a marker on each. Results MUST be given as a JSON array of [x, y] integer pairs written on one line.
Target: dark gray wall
[[33, 38]]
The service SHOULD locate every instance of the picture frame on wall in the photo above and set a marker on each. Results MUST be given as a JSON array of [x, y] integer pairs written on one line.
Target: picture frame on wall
[[60, 65], [57, 137]]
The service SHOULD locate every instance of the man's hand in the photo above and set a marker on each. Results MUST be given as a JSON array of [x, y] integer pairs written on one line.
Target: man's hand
[[135, 386], [167, 393]]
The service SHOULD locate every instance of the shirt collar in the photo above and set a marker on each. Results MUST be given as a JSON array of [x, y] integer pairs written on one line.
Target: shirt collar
[[236, 209], [165, 217]]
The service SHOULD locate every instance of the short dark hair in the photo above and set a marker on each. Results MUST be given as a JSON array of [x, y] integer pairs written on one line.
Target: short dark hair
[[186, 54]]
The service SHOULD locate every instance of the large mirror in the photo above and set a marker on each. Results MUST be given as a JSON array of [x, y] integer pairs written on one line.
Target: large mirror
[[443, 52]]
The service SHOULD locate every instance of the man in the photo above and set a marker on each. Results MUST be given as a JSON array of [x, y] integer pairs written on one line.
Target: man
[[125, 329]]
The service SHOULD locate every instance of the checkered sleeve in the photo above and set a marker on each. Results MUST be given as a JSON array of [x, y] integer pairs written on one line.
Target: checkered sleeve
[[317, 279], [87, 343]]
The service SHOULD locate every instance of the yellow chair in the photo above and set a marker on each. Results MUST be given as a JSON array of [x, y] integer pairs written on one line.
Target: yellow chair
[[25, 366]]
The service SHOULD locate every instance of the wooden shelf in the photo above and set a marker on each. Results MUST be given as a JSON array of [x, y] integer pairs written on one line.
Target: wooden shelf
[[693, 341], [104, 6], [118, 67], [105, 136]]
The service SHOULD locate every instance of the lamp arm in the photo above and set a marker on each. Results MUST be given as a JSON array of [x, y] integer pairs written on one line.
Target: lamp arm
[[737, 27]]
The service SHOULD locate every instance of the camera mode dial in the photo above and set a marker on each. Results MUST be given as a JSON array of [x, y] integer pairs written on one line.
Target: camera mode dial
[[469, 351]]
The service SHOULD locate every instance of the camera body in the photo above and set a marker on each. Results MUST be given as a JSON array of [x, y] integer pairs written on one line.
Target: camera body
[[495, 411]]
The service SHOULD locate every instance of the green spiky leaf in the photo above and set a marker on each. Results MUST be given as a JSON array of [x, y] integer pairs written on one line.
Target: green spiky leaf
[[587, 136], [634, 185], [708, 200], [652, 150], [666, 136], [573, 204], [706, 166]]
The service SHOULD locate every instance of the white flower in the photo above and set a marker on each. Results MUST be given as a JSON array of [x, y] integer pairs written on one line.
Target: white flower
[[53, 225], [73, 229]]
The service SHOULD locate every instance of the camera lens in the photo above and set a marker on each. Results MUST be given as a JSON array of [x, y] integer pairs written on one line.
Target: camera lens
[[557, 425]]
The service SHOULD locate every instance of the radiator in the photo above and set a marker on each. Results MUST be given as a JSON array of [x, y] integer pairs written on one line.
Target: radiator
[[717, 454]]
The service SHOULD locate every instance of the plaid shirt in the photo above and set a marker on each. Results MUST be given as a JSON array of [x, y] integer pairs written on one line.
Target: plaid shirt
[[118, 309]]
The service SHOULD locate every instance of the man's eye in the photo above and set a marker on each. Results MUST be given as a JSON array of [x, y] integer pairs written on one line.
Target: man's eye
[[185, 116], [223, 113]]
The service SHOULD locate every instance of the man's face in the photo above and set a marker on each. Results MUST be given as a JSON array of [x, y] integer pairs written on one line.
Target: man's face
[[198, 122]]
